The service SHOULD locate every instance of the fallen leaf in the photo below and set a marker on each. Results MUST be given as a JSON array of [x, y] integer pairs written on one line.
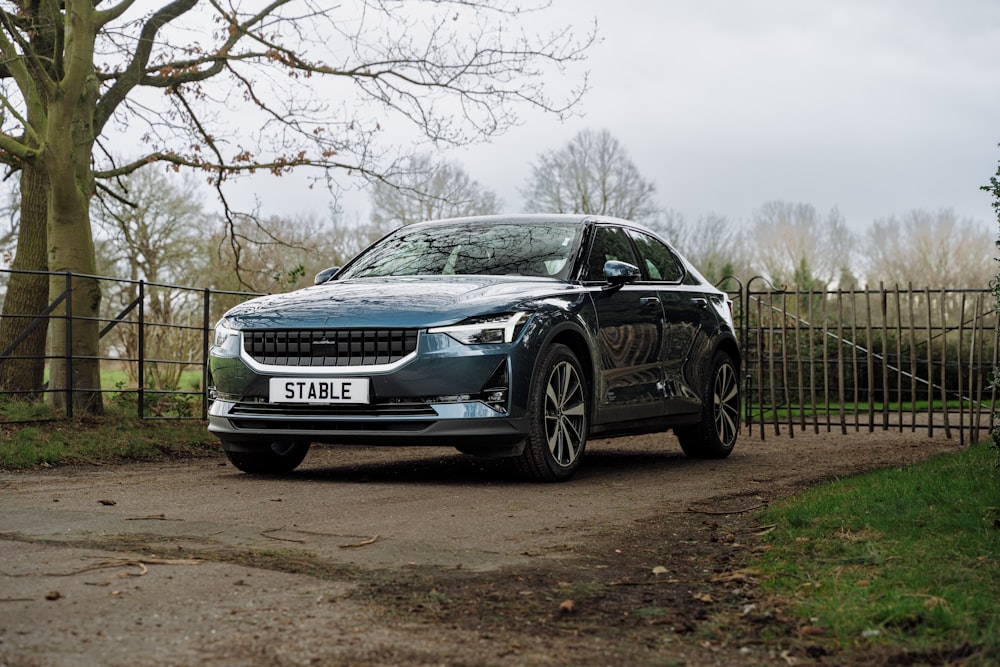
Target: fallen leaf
[[659, 569], [567, 607], [107, 502], [53, 595]]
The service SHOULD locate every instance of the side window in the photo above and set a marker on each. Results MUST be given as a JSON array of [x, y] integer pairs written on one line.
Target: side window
[[610, 243], [658, 261]]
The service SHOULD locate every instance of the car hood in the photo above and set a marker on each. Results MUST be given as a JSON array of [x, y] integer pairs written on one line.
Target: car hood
[[399, 302]]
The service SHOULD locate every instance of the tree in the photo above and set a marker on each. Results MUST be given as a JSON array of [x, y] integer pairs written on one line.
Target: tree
[[712, 243], [427, 191], [591, 174], [75, 74], [929, 249], [285, 253], [27, 287], [152, 230], [797, 248], [27, 293]]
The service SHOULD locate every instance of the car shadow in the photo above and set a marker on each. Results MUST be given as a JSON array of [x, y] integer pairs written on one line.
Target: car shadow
[[434, 467]]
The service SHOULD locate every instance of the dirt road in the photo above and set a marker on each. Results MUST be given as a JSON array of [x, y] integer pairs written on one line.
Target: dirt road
[[403, 556]]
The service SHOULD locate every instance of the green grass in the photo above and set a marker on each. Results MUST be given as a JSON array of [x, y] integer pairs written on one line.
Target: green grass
[[861, 408], [32, 435], [112, 378], [905, 557]]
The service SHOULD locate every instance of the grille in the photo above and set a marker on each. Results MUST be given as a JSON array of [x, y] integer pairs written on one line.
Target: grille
[[336, 347]]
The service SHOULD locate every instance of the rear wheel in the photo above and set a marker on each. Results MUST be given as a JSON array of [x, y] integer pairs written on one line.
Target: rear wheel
[[558, 414], [277, 458], [714, 436]]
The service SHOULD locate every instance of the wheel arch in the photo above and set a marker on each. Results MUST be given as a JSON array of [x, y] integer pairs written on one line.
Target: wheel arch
[[732, 348], [577, 341]]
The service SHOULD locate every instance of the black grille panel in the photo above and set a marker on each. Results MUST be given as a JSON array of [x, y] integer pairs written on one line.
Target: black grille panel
[[330, 347]]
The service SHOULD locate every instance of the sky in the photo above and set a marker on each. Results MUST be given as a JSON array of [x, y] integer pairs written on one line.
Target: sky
[[875, 107]]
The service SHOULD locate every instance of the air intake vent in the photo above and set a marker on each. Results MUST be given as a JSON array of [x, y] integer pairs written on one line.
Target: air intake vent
[[330, 347]]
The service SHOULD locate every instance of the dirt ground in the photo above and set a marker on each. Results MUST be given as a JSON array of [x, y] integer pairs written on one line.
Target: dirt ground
[[416, 557]]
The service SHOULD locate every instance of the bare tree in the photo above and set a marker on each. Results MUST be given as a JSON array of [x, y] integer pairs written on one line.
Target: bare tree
[[591, 174], [929, 249], [150, 227], [713, 244], [794, 246], [76, 73], [426, 191], [285, 253], [151, 230]]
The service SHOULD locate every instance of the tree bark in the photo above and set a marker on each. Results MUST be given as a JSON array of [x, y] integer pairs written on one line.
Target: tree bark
[[22, 373], [66, 154], [75, 346]]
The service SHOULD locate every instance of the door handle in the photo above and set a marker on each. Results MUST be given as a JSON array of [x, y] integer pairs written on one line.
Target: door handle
[[648, 300], [700, 302]]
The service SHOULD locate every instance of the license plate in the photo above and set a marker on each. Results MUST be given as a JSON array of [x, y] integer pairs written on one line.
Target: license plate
[[319, 390]]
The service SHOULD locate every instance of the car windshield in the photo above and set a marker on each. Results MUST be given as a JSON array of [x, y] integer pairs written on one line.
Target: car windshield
[[541, 250]]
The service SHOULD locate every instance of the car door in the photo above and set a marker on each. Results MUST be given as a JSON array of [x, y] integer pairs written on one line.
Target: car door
[[630, 335], [688, 321]]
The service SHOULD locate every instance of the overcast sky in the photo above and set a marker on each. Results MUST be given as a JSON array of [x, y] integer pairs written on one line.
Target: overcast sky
[[873, 106], [876, 107]]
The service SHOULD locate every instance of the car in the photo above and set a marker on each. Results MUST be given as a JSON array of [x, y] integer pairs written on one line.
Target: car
[[516, 336]]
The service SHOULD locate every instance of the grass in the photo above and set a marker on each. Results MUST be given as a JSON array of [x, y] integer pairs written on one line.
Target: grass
[[115, 378], [860, 408], [903, 557], [34, 436]]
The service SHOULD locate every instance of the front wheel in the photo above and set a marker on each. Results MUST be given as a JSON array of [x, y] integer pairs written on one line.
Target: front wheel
[[714, 436], [558, 416], [277, 458]]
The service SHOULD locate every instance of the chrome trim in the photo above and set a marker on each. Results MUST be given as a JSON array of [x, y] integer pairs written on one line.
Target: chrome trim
[[318, 371]]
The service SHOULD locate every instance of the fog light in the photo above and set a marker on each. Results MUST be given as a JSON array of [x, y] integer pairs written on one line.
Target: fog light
[[454, 398]]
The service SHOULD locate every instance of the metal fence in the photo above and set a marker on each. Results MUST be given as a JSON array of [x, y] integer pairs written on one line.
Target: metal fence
[[154, 341], [873, 359], [891, 358]]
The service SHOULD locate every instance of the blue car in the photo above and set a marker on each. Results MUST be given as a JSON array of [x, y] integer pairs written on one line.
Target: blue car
[[501, 336]]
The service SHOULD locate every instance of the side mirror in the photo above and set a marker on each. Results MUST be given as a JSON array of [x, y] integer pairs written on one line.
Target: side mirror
[[620, 273], [325, 275]]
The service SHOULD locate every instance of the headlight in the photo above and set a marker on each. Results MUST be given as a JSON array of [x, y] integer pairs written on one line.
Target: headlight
[[485, 330], [226, 342]]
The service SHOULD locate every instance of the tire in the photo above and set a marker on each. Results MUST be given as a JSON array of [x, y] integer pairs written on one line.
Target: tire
[[715, 435], [558, 410], [278, 458]]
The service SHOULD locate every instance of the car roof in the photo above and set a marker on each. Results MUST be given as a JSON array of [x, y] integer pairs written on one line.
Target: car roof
[[532, 218]]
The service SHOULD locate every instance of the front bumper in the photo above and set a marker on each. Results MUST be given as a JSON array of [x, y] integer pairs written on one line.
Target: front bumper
[[467, 396], [467, 425]]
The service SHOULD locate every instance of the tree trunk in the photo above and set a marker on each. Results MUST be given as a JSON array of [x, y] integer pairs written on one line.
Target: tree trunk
[[75, 340], [66, 154], [22, 373]]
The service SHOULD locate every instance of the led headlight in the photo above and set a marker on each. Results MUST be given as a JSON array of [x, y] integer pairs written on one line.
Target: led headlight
[[502, 328], [226, 342]]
